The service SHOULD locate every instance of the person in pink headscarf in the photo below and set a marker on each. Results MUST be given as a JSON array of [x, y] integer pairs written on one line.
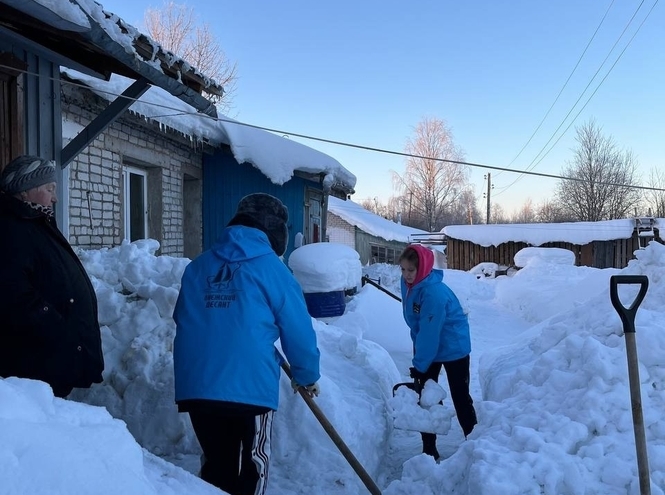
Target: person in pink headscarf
[[440, 334]]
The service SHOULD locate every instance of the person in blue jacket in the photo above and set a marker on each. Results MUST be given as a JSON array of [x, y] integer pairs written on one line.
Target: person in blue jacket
[[236, 300], [440, 334]]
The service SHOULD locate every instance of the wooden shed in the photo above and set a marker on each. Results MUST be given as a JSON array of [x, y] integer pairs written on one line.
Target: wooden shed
[[606, 244]]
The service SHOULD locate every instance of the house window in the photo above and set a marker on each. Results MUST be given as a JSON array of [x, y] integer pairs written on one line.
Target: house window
[[11, 108], [383, 254], [135, 203]]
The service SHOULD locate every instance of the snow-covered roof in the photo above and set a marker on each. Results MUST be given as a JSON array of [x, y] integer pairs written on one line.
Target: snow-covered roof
[[109, 55], [278, 158], [535, 234], [88, 38], [369, 222]]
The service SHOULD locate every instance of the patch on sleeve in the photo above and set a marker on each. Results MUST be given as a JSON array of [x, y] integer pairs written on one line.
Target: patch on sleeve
[[416, 308]]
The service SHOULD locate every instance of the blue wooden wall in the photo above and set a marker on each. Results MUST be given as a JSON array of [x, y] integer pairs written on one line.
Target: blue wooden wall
[[42, 114], [41, 101], [225, 183]]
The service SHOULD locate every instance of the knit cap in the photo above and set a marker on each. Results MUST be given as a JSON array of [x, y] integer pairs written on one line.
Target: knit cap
[[26, 172]]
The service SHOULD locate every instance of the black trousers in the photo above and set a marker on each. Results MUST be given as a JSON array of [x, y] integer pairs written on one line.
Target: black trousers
[[457, 373], [236, 450]]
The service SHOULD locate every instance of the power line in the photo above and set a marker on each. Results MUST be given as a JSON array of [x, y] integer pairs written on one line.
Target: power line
[[337, 142], [537, 160], [562, 87], [598, 87]]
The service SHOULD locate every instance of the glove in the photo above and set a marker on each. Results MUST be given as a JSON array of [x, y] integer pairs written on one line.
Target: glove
[[415, 374], [419, 379], [312, 390]]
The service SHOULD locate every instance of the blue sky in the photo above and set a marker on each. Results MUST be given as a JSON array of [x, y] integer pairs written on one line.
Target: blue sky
[[367, 72]]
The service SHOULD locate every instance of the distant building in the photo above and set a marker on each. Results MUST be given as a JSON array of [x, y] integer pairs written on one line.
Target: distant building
[[376, 239], [605, 244]]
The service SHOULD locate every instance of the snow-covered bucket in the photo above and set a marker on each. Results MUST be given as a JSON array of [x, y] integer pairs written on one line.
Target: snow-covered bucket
[[325, 271]]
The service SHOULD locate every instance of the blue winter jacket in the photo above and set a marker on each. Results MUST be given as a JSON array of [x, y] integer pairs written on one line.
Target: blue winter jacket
[[439, 327], [236, 300]]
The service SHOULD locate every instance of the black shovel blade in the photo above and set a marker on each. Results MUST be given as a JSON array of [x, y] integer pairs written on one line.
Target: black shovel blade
[[410, 385]]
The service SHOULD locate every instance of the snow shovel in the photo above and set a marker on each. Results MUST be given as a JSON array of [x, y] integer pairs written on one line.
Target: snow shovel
[[334, 436], [410, 385], [366, 280], [410, 414], [627, 316]]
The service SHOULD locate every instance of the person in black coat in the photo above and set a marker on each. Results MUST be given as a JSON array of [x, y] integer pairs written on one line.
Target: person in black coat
[[48, 307]]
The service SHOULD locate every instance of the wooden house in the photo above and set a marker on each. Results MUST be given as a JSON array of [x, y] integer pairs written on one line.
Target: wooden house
[[606, 244]]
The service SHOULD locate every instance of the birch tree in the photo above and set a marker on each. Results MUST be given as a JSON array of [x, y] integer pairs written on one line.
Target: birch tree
[[430, 187]]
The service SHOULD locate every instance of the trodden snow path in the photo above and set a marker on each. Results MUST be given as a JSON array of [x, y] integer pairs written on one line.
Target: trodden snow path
[[491, 327]]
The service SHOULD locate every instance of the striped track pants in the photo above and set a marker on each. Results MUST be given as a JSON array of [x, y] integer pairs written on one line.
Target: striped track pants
[[236, 450]]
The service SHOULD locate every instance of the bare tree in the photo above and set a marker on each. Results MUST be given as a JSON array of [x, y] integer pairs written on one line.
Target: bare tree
[[370, 204], [465, 211], [552, 212], [656, 199], [176, 27], [429, 187], [498, 214], [526, 213], [376, 206], [604, 175], [395, 209]]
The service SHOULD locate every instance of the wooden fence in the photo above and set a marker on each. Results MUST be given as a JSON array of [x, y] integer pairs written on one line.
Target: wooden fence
[[464, 255]]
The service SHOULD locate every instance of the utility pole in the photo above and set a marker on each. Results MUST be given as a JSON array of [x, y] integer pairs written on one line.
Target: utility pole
[[489, 188]]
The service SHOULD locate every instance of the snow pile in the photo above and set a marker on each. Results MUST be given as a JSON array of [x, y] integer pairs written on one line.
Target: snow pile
[[137, 291], [61, 447], [550, 255], [486, 269], [557, 413], [544, 287], [549, 382]]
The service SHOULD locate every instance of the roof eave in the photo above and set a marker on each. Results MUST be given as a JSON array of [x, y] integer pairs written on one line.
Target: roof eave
[[78, 47]]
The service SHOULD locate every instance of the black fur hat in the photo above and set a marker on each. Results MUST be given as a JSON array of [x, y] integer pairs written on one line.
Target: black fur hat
[[266, 213]]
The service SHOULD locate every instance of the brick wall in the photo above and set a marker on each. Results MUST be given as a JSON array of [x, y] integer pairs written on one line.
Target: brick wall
[[96, 216], [340, 231]]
